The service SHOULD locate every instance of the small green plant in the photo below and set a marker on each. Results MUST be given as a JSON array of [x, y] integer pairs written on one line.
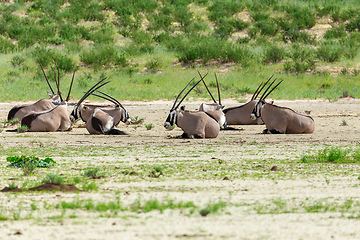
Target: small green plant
[[52, 178], [137, 120], [13, 185], [149, 126], [93, 173], [212, 207], [21, 161], [344, 123], [28, 168], [332, 155], [153, 64], [156, 172], [86, 186], [22, 129]]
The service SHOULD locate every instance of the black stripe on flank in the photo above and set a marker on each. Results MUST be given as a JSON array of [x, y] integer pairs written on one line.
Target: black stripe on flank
[[13, 111], [28, 119], [97, 124], [212, 117]]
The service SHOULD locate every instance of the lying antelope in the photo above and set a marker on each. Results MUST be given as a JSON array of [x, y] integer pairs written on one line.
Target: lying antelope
[[281, 119], [216, 109], [239, 115], [42, 105], [51, 120], [101, 119], [195, 124]]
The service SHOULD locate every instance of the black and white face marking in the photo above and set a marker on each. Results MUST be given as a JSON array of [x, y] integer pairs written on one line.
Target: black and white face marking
[[256, 111], [74, 115], [126, 118], [171, 120]]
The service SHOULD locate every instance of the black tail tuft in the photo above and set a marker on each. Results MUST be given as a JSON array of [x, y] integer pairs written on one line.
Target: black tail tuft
[[231, 129], [115, 131]]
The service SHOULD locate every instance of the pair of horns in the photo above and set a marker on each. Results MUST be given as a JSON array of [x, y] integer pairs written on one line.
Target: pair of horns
[[266, 93], [218, 88], [58, 82], [108, 97], [177, 98], [260, 88], [92, 89]]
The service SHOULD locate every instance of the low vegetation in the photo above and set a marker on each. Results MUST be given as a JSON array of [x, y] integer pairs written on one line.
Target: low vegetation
[[144, 45]]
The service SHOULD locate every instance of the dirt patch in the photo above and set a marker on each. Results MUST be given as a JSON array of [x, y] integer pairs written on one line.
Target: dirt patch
[[45, 187]]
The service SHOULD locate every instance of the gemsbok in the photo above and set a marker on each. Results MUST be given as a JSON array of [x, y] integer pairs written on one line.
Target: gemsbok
[[101, 119], [239, 115], [20, 111], [51, 120], [281, 119], [215, 109], [195, 124]]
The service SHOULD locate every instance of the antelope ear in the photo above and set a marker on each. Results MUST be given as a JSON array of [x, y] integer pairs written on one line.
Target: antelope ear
[[50, 95], [182, 108]]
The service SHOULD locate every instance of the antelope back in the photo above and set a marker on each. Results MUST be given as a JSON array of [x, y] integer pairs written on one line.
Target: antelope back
[[198, 124], [48, 121], [20, 111]]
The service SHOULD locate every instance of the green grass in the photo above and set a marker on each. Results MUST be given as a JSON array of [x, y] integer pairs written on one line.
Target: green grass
[[149, 62]]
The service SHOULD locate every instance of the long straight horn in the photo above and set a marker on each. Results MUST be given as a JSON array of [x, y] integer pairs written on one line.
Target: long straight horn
[[263, 87], [47, 80], [177, 98], [217, 84], [91, 90], [267, 89], [256, 92], [58, 68], [273, 89], [188, 93], [72, 80], [115, 101], [202, 79]]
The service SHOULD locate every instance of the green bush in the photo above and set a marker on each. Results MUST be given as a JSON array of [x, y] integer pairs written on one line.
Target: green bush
[[20, 161], [274, 54], [338, 32], [329, 51], [6, 46], [103, 55]]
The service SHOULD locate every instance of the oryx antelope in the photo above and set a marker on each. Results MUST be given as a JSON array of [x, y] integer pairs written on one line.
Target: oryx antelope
[[215, 109], [281, 119], [239, 115], [100, 119], [42, 105], [51, 120], [195, 124]]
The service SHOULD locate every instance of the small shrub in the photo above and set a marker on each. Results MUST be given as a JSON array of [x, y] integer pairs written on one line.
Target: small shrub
[[329, 52], [52, 178], [89, 186], [153, 64], [20, 161], [274, 54], [28, 168], [156, 172], [93, 173], [13, 185], [17, 61], [22, 129], [137, 120], [149, 126]]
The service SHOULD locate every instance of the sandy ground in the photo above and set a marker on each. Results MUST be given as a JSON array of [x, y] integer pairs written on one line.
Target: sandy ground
[[239, 220]]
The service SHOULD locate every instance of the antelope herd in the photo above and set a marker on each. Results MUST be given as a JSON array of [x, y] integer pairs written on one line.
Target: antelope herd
[[49, 115]]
